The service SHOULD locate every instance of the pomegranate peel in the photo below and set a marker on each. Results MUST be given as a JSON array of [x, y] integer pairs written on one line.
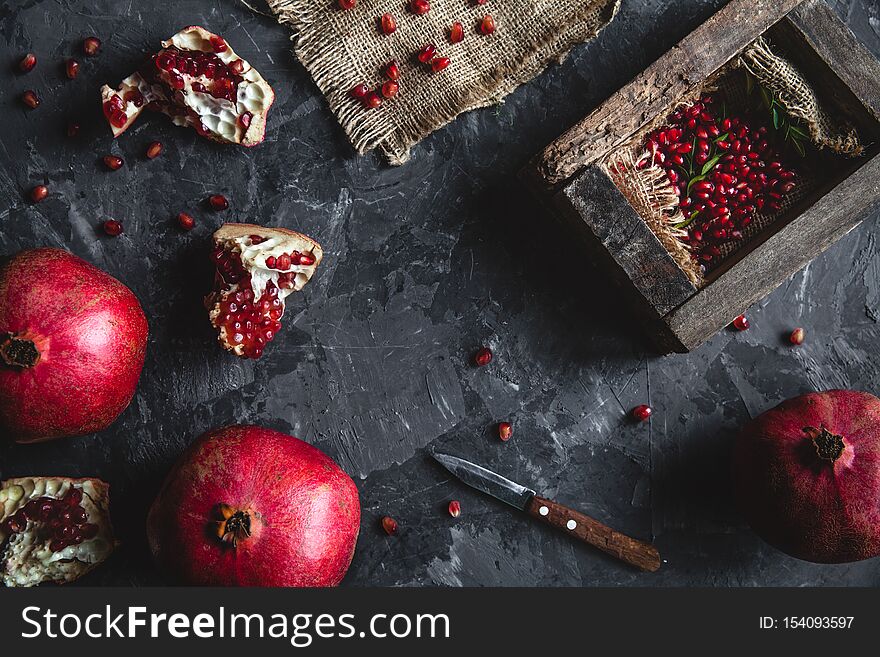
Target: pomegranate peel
[[257, 269], [53, 529]]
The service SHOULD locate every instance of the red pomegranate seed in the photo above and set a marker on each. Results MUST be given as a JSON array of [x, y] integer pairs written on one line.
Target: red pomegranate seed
[[39, 192], [218, 43], [387, 24], [112, 227], [392, 70], [483, 357], [245, 120], [185, 221], [30, 99], [505, 431], [306, 259], [439, 64], [641, 412], [284, 262], [372, 100], [419, 7], [455, 508], [154, 150], [176, 81], [741, 323], [218, 202], [487, 25], [73, 129], [347, 4], [389, 524], [427, 52], [480, 2], [27, 63], [797, 336], [390, 89], [72, 68], [456, 33], [359, 91], [91, 45], [113, 162], [237, 66]]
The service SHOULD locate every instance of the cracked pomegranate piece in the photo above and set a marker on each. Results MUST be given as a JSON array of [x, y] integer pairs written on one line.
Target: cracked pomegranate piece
[[53, 529], [257, 268], [199, 82]]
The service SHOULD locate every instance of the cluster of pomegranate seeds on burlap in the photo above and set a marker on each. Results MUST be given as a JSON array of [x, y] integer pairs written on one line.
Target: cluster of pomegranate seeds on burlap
[[725, 171]]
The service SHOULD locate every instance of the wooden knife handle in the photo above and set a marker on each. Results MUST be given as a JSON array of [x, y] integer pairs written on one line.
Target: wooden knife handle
[[636, 553]]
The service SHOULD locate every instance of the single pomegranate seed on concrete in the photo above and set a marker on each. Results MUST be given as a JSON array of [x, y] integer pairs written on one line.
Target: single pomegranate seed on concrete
[[359, 91], [71, 66], [741, 323], [439, 64], [73, 129], [91, 46], [483, 357], [113, 162], [797, 336], [30, 99], [392, 70], [487, 25], [387, 24], [154, 150], [27, 63], [390, 89], [112, 227], [505, 431], [39, 192], [426, 53], [641, 412], [218, 44], [218, 202], [419, 7], [455, 508], [389, 524], [347, 4], [185, 221], [456, 33], [372, 100]]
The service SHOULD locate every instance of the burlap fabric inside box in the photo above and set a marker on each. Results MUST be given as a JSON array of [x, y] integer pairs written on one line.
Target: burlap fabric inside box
[[344, 48]]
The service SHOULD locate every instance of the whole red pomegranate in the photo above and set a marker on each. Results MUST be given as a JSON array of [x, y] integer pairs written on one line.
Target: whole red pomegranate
[[807, 476], [72, 346], [247, 506]]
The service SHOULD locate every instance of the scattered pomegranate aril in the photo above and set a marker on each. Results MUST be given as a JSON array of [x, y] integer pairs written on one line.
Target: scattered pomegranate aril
[[389, 524], [483, 357], [359, 91], [113, 162], [387, 24], [185, 221], [91, 45], [154, 150], [426, 53], [372, 100], [741, 323], [487, 25], [39, 193], [419, 7], [505, 431], [390, 89], [392, 70], [797, 337], [641, 412], [71, 67], [112, 227], [456, 33], [439, 64], [218, 202], [455, 508], [73, 129], [30, 99], [27, 63], [347, 4]]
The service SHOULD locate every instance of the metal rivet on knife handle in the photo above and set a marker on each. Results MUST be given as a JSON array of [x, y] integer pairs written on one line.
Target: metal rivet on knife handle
[[591, 531]]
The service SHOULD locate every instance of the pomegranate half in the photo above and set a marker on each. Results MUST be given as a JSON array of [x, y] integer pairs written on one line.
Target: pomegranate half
[[248, 506], [53, 529], [807, 476], [72, 346]]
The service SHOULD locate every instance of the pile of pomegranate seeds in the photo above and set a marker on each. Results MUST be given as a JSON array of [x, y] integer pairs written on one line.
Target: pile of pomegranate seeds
[[741, 323], [39, 192], [455, 508], [247, 323], [112, 227], [91, 45], [389, 524], [641, 412], [27, 63], [64, 522], [370, 98], [223, 79], [505, 431], [725, 172]]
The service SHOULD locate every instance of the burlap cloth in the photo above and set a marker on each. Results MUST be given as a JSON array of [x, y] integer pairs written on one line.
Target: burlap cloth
[[343, 48]]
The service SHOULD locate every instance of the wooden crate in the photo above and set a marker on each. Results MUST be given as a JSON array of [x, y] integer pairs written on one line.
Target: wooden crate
[[568, 173]]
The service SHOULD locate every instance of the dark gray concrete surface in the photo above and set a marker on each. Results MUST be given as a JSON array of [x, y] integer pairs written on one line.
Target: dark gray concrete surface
[[424, 264]]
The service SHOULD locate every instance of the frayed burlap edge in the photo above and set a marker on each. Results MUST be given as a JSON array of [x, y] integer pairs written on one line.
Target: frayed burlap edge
[[366, 131]]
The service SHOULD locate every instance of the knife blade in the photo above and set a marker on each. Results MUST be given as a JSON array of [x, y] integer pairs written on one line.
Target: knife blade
[[636, 553]]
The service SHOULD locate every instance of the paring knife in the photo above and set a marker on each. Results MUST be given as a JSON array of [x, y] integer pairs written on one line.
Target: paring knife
[[636, 553]]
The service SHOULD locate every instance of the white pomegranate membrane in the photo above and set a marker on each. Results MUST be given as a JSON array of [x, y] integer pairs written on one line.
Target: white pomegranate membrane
[[199, 82], [52, 529], [257, 269]]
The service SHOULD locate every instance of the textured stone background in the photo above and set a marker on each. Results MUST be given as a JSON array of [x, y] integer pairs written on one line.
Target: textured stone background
[[424, 264]]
